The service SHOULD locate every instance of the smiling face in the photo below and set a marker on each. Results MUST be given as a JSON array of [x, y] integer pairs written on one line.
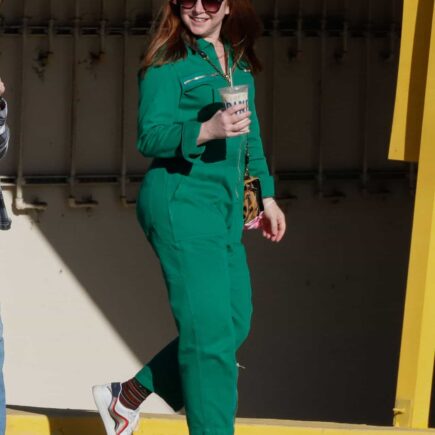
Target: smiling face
[[202, 23]]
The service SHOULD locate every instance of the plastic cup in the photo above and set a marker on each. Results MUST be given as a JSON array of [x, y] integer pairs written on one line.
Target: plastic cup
[[234, 95]]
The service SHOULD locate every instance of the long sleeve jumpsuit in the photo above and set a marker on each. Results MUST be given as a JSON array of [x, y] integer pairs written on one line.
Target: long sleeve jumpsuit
[[190, 207]]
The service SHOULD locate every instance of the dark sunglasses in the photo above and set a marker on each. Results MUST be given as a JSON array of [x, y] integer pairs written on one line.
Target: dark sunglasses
[[211, 6]]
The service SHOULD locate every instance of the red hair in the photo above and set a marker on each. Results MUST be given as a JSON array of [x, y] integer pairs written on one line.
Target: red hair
[[241, 28]]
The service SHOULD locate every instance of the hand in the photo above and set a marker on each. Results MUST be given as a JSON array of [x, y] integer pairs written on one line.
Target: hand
[[2, 88], [273, 222], [226, 123]]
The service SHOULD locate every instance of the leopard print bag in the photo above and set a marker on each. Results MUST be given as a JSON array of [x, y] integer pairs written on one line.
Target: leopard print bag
[[253, 203]]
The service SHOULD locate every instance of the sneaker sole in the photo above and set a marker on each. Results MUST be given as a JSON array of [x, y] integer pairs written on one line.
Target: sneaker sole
[[100, 392]]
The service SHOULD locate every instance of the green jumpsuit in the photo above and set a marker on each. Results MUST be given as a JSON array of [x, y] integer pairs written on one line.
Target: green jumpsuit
[[190, 207]]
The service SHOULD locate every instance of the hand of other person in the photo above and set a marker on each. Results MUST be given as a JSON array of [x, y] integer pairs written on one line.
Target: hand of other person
[[273, 222]]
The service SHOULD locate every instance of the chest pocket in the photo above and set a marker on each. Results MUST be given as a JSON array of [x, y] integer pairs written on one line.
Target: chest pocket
[[199, 87], [200, 94]]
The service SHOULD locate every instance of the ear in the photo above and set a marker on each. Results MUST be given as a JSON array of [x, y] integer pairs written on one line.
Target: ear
[[227, 7]]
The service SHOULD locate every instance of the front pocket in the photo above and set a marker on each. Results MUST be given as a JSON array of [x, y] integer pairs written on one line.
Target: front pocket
[[193, 212], [191, 219], [174, 183]]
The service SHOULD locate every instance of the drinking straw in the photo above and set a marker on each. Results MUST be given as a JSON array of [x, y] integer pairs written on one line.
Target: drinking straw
[[231, 74]]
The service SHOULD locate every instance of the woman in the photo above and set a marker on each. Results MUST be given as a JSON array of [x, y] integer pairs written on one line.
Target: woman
[[190, 207]]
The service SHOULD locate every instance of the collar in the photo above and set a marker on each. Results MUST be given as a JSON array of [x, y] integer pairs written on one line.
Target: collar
[[206, 45], [203, 44]]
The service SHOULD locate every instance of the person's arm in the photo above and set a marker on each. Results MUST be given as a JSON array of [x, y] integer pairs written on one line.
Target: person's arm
[[4, 130], [257, 161], [159, 132]]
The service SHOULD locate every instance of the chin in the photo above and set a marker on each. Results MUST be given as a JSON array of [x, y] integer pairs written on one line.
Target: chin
[[198, 32]]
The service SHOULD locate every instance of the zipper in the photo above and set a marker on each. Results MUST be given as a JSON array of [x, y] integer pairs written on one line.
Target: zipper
[[238, 165], [199, 78], [218, 69]]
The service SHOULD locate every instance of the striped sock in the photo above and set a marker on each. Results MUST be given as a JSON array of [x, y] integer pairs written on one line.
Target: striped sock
[[133, 393]]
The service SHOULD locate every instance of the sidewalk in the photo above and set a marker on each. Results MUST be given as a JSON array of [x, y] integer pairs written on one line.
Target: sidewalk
[[68, 422]]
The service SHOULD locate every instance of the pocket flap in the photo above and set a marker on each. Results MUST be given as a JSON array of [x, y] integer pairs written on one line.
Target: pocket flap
[[195, 80]]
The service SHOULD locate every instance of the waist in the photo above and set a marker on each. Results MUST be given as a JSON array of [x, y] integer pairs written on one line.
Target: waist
[[184, 167]]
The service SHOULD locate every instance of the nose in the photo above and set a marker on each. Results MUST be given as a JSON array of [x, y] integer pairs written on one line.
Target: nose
[[199, 8]]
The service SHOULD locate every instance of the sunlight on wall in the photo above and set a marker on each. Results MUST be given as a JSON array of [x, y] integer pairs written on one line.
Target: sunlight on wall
[[57, 338]]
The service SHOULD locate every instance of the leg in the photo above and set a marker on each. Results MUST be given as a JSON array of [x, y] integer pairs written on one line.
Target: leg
[[198, 279], [241, 293], [162, 374]]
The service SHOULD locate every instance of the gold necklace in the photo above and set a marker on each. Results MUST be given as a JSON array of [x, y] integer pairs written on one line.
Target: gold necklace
[[226, 76]]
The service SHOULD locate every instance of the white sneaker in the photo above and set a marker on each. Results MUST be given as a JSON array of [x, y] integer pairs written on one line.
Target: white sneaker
[[117, 419]]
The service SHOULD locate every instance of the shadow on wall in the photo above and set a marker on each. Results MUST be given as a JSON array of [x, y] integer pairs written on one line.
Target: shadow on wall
[[328, 302], [335, 345]]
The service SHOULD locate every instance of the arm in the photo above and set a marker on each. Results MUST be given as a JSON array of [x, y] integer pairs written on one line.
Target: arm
[[273, 222], [257, 161], [4, 130], [159, 133]]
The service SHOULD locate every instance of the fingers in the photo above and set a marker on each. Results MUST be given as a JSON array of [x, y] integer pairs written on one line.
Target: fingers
[[239, 108], [278, 227], [274, 224], [241, 125], [239, 128], [274, 228], [281, 227], [267, 228], [238, 133], [237, 119], [232, 122]]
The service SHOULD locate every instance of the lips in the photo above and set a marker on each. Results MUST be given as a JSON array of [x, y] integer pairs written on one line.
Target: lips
[[199, 20]]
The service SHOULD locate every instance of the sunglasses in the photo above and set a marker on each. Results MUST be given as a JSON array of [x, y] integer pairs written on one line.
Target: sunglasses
[[211, 6]]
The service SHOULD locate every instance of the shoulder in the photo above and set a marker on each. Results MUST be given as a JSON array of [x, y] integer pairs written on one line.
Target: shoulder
[[172, 71], [158, 77], [244, 73], [156, 72], [244, 67]]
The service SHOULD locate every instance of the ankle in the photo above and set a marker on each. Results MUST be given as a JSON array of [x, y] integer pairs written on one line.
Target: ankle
[[133, 394]]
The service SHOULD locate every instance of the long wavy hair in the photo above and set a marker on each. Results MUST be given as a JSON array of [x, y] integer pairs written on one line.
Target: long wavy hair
[[169, 36]]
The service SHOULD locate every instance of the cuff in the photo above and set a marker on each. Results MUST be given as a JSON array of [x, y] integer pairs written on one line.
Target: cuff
[[3, 108], [189, 148], [267, 186]]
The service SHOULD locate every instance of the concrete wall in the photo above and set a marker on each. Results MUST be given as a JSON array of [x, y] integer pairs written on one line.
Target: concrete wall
[[82, 296]]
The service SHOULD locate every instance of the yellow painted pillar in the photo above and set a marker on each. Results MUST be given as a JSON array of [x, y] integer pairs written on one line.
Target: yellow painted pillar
[[418, 336], [411, 80]]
